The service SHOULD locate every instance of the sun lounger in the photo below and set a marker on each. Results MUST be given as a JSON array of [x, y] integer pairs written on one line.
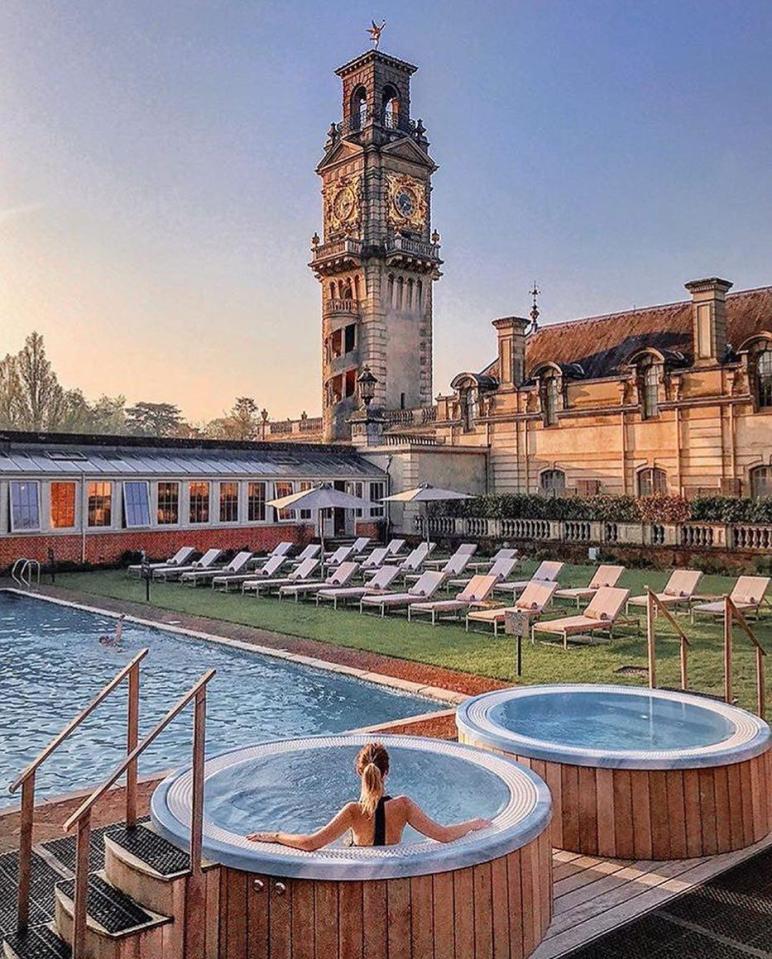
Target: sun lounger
[[474, 593], [375, 560], [207, 561], [281, 549], [341, 555], [225, 580], [505, 552], [604, 576], [415, 559], [534, 599], [599, 616], [466, 549], [267, 584], [180, 558], [424, 589], [394, 547], [309, 552], [360, 545], [678, 590], [234, 568], [380, 583], [500, 570], [747, 595], [454, 566], [547, 572], [341, 576]]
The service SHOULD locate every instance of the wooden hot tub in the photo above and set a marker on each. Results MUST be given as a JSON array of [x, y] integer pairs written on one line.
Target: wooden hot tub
[[627, 802], [418, 900]]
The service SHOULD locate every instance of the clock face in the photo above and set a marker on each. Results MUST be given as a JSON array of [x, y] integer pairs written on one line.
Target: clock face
[[343, 204], [405, 203]]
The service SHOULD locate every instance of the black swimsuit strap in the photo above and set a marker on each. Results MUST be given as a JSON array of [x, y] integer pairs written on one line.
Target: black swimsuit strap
[[379, 836]]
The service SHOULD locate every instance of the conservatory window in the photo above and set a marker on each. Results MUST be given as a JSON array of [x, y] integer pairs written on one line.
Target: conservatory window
[[25, 506], [63, 505], [136, 504], [168, 512], [100, 504], [199, 502]]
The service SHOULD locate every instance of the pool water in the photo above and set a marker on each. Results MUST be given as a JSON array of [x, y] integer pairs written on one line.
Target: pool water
[[52, 665], [301, 791], [612, 721]]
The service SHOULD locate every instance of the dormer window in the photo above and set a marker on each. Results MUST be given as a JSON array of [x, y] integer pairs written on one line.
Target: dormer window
[[763, 378], [648, 375]]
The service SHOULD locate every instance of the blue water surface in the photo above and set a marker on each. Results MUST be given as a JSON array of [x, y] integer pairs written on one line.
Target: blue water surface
[[52, 664], [613, 721]]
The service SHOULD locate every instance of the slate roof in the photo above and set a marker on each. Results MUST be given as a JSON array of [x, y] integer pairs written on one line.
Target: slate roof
[[62, 454], [601, 344]]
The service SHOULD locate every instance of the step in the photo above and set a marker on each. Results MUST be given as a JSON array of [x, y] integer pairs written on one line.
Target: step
[[42, 883], [139, 863], [113, 918], [39, 942]]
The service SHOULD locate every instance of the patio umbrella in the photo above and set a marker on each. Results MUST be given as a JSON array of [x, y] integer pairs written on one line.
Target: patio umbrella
[[426, 493], [321, 497]]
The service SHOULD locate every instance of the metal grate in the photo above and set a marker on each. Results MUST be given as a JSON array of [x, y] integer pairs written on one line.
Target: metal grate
[[39, 943], [152, 849], [43, 880], [111, 908]]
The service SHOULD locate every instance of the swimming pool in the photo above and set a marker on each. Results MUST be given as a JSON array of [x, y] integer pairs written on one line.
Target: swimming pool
[[635, 773], [51, 665]]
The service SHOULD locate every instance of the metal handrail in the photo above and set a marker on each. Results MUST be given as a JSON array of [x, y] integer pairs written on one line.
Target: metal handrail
[[731, 614], [653, 603], [82, 815], [24, 576], [27, 778]]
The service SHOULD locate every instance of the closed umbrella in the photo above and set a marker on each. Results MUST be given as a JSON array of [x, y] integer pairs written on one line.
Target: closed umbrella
[[321, 497], [426, 493]]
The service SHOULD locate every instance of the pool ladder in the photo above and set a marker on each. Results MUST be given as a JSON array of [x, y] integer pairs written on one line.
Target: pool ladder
[[23, 570]]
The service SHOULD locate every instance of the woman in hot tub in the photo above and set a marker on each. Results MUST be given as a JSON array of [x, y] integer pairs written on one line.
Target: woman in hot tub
[[377, 819]]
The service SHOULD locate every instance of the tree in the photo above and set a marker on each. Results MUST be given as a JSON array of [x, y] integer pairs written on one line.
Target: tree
[[32, 397], [154, 419], [241, 423], [109, 414]]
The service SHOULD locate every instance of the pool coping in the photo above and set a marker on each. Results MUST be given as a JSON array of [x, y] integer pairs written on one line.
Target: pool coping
[[428, 691], [751, 737]]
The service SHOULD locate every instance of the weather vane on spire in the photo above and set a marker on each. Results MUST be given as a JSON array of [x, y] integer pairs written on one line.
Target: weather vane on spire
[[375, 33], [534, 309]]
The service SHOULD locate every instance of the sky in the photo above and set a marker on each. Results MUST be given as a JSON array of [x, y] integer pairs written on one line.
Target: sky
[[158, 194]]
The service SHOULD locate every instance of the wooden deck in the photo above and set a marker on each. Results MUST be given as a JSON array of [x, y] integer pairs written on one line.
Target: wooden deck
[[594, 896]]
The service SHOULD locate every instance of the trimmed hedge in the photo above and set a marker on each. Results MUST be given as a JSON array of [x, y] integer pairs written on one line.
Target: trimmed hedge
[[614, 509]]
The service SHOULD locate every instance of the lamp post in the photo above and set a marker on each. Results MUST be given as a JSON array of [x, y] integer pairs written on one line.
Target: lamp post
[[366, 383]]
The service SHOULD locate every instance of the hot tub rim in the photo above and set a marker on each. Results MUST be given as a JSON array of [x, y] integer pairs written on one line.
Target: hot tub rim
[[443, 857], [513, 744]]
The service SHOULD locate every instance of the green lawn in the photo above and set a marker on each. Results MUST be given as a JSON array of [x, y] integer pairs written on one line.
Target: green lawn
[[449, 645]]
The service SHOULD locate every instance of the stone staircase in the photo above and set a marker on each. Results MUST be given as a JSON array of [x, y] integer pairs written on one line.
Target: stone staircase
[[136, 898]]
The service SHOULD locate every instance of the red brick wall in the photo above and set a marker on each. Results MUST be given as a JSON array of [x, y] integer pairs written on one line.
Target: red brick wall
[[107, 548], [372, 529]]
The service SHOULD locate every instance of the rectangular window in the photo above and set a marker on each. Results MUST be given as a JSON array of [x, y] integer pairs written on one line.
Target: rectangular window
[[63, 505], [136, 504], [283, 489], [168, 513], [199, 502], [351, 337], [100, 504], [256, 502], [356, 489], [25, 506], [229, 502], [305, 514], [377, 492]]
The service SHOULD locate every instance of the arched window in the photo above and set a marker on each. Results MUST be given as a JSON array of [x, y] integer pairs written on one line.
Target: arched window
[[358, 108], [648, 377], [552, 482], [409, 304], [764, 378], [400, 285], [651, 481], [761, 482], [390, 290], [419, 293], [390, 107], [550, 395]]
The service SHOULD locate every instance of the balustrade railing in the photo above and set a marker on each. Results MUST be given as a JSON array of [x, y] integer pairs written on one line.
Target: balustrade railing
[[348, 244], [336, 304], [747, 536], [404, 244]]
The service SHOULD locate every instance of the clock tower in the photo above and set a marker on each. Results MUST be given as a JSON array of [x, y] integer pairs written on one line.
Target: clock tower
[[378, 257]]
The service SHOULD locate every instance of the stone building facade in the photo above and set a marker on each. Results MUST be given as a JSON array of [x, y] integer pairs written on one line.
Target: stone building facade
[[378, 257]]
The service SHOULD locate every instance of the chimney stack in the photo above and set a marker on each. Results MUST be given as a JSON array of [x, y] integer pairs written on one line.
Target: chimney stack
[[511, 332], [709, 319]]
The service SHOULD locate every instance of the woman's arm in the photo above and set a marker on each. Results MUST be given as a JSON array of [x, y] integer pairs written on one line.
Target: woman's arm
[[310, 841], [418, 819]]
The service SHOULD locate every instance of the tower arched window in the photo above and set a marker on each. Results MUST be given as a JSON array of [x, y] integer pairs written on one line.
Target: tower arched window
[[400, 291], [552, 482], [648, 377], [761, 482], [651, 481], [390, 107], [358, 108], [409, 303], [550, 398], [419, 294], [390, 290], [763, 377]]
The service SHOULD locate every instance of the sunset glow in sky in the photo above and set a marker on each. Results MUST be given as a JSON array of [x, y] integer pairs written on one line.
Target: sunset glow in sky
[[158, 194]]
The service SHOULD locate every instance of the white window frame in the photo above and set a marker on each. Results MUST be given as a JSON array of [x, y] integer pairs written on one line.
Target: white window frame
[[377, 509], [266, 497], [76, 504], [35, 484], [220, 520], [127, 524], [100, 482], [289, 514], [158, 485], [208, 520]]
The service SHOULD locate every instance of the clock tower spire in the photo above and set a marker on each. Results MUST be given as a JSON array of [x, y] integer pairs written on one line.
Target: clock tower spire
[[378, 257]]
